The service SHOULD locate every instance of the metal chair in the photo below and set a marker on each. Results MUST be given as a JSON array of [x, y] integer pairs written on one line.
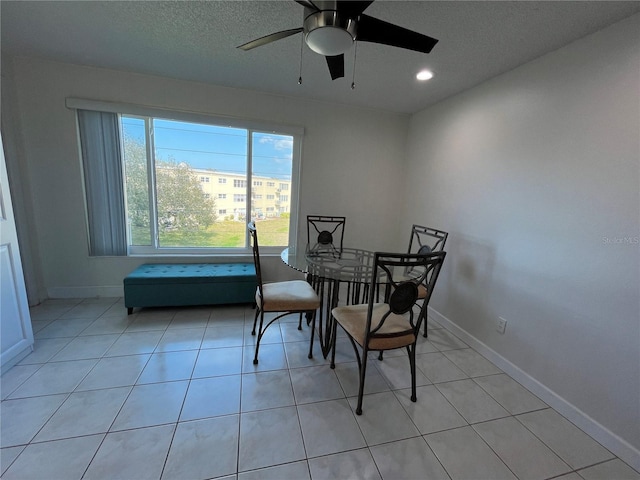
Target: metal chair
[[285, 298], [425, 240], [325, 234], [394, 323], [330, 233]]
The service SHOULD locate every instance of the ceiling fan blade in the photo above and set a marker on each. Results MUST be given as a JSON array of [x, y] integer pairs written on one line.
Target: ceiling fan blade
[[352, 9], [269, 38], [378, 31], [307, 4], [336, 66]]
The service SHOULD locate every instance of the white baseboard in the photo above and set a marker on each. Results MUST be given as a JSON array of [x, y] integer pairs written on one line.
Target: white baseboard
[[6, 366], [86, 292], [616, 445]]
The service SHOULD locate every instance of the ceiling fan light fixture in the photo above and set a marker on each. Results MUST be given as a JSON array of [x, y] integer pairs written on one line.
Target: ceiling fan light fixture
[[329, 41], [328, 33]]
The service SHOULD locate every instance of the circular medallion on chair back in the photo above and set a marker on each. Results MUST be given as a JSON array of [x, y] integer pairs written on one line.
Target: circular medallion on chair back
[[424, 249], [325, 238], [403, 298]]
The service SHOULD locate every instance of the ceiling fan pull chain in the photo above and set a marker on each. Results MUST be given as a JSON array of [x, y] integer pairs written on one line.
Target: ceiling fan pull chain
[[355, 53], [301, 49]]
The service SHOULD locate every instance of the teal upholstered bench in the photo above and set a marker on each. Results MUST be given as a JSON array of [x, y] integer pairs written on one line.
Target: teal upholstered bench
[[176, 285]]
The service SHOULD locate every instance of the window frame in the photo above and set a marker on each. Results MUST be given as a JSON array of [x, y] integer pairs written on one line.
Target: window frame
[[252, 126]]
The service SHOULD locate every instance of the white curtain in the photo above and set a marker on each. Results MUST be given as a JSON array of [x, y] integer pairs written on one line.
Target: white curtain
[[104, 186]]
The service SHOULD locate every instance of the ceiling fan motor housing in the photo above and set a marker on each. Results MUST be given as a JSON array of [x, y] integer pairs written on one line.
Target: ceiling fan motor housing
[[329, 33]]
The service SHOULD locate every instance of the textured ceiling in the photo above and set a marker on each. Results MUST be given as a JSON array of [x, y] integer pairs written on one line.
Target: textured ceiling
[[197, 40]]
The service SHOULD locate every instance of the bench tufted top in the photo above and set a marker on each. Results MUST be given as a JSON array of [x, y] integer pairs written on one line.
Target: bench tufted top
[[176, 273]]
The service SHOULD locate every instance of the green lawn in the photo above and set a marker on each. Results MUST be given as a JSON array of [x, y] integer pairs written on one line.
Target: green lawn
[[227, 234]]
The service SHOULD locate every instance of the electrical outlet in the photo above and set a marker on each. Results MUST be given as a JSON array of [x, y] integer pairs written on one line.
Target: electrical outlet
[[501, 326]]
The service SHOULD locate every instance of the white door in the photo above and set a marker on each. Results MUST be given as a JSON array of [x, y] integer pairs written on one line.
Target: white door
[[16, 335]]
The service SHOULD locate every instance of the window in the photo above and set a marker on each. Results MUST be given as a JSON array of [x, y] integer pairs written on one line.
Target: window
[[271, 197], [183, 211], [257, 196], [271, 184], [172, 200]]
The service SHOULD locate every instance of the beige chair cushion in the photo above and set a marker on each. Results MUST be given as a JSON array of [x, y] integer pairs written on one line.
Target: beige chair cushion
[[295, 295], [353, 319]]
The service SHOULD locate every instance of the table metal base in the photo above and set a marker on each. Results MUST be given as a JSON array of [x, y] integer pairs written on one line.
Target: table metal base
[[331, 291]]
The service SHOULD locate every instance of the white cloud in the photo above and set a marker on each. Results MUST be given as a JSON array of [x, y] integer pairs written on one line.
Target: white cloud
[[278, 142]]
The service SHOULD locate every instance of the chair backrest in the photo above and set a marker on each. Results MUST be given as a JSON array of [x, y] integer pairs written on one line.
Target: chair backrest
[[325, 233], [400, 293], [253, 235], [425, 240]]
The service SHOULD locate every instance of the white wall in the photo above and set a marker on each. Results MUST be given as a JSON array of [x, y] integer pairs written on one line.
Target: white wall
[[536, 175], [346, 152]]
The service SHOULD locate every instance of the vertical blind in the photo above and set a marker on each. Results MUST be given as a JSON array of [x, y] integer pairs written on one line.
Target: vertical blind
[[104, 187]]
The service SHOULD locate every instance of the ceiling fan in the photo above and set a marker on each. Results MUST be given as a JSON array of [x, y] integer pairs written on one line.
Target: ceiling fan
[[331, 27]]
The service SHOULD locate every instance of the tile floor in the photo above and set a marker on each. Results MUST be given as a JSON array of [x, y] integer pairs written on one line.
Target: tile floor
[[173, 394]]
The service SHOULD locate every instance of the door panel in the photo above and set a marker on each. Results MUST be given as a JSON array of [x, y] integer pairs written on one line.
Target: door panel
[[16, 333]]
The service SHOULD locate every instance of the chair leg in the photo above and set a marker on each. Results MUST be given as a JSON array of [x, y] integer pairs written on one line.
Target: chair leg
[[334, 336], [313, 331], [260, 332], [412, 364], [380, 355], [363, 371], [425, 334], [300, 322], [255, 320]]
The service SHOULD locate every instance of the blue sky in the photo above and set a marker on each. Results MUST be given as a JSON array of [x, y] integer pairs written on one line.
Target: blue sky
[[219, 148]]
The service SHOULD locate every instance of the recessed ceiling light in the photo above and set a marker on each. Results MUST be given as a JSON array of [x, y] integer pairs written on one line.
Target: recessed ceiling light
[[424, 75]]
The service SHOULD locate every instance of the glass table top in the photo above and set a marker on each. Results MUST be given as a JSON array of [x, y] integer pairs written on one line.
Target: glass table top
[[348, 264]]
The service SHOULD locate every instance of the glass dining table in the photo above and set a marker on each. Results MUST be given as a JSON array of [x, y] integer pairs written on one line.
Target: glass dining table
[[338, 276]]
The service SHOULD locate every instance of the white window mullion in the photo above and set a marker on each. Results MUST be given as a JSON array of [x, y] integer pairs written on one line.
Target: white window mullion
[[249, 181], [151, 173]]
